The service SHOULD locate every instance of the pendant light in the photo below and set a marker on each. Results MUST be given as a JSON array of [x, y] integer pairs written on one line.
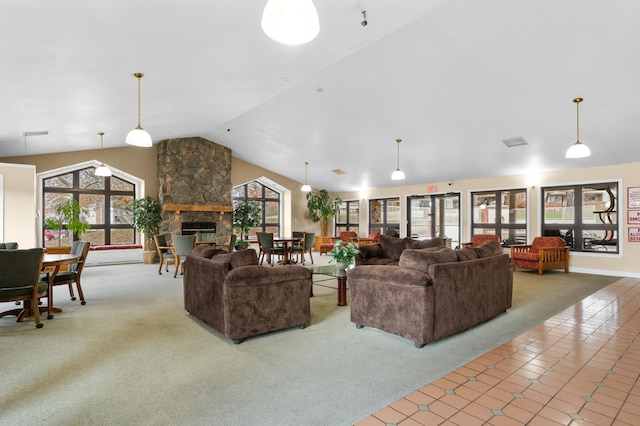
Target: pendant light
[[290, 22], [398, 174], [138, 136], [305, 187], [102, 170], [578, 149]]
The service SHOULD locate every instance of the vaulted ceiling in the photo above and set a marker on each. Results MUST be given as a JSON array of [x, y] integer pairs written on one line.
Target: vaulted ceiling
[[451, 78]]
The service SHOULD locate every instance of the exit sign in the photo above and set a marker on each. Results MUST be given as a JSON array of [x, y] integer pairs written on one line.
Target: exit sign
[[431, 188]]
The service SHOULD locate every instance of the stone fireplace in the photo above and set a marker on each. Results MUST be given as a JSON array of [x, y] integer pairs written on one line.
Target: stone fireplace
[[194, 184]]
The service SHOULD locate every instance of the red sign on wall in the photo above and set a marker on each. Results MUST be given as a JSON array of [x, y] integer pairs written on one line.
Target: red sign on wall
[[633, 217], [634, 235]]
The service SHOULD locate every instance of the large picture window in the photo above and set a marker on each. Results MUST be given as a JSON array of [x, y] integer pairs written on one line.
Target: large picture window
[[502, 212], [270, 201], [384, 216], [584, 215], [108, 201], [348, 217]]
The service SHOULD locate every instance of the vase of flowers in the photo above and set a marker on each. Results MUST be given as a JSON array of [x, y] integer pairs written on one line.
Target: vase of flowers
[[344, 253]]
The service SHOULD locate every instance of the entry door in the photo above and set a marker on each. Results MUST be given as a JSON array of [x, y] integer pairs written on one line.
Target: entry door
[[431, 216]]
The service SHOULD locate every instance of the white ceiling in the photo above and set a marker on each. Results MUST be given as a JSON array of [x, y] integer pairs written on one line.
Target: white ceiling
[[451, 78]]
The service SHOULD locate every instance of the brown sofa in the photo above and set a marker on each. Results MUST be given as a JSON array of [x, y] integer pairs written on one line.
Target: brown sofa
[[432, 293], [233, 294], [387, 250]]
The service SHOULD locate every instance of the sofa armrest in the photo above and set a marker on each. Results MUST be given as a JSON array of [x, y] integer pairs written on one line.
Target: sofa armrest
[[203, 289]]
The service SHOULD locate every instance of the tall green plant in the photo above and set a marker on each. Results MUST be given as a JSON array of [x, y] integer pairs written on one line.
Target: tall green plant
[[71, 215], [246, 215], [147, 217], [322, 208]]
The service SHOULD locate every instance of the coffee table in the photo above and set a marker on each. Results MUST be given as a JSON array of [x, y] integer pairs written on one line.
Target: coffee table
[[333, 271]]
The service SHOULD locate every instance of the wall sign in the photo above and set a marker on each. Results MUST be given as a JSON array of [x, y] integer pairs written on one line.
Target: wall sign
[[633, 217], [634, 235], [633, 198]]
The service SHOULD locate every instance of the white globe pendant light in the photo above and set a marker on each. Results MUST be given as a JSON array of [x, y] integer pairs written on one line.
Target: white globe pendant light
[[290, 22], [138, 136]]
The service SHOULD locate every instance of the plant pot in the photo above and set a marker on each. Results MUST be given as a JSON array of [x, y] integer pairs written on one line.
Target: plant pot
[[149, 257]]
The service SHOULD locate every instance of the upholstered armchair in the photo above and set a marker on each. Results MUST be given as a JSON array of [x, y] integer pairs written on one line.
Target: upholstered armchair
[[234, 295], [542, 254]]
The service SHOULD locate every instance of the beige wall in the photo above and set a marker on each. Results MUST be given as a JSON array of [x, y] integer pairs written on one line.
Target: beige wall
[[19, 204], [624, 264], [141, 162]]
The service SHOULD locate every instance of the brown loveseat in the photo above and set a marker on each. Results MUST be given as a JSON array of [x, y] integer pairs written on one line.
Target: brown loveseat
[[233, 294], [388, 249], [432, 293]]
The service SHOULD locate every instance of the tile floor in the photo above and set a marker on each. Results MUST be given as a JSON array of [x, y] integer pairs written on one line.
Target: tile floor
[[580, 367]]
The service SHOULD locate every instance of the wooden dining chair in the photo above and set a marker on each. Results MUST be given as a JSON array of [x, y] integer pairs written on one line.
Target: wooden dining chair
[[267, 247], [74, 272], [182, 246], [164, 252]]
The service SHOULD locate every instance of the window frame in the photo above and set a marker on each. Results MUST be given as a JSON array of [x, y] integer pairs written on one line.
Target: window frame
[[499, 226], [348, 225], [384, 226], [263, 199]]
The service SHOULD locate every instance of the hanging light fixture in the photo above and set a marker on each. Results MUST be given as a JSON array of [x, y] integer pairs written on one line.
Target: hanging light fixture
[[578, 149], [138, 136], [398, 174], [102, 170], [290, 22], [305, 187]]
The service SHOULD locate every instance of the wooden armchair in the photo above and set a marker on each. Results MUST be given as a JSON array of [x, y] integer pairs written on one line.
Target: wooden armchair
[[542, 254], [371, 239], [477, 239], [164, 252]]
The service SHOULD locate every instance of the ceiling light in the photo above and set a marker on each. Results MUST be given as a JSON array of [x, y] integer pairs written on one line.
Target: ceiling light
[[102, 170], [578, 149], [138, 136], [398, 174], [290, 22], [305, 187]]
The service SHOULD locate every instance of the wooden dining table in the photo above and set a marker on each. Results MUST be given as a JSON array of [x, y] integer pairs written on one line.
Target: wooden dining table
[[54, 261], [286, 256]]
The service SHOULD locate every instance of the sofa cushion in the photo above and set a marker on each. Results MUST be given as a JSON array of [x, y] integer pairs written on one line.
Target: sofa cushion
[[204, 250], [420, 244], [488, 248], [421, 259], [466, 253], [392, 246], [238, 258]]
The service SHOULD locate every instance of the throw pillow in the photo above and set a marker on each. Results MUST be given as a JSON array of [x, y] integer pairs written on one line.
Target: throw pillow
[[204, 250], [392, 246], [238, 258], [488, 248], [420, 244], [421, 259], [467, 253]]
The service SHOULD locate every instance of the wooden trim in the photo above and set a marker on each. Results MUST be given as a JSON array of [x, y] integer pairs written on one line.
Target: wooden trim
[[193, 208]]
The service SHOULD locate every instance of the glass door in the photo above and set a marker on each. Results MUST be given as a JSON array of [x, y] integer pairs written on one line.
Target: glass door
[[430, 216]]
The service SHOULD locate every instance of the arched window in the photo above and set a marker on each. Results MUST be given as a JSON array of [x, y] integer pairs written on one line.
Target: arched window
[[270, 200], [108, 201]]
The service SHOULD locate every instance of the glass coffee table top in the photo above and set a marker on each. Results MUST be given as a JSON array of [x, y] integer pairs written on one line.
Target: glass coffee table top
[[330, 270]]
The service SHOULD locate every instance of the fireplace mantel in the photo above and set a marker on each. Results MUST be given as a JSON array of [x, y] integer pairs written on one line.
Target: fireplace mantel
[[193, 208]]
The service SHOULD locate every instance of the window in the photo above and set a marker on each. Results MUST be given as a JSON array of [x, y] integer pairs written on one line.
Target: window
[[584, 215], [348, 217], [507, 219], [270, 200], [384, 216], [107, 199]]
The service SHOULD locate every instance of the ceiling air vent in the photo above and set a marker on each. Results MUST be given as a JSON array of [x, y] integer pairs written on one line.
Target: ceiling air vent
[[519, 141]]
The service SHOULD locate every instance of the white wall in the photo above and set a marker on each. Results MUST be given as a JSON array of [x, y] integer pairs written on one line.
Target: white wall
[[19, 218]]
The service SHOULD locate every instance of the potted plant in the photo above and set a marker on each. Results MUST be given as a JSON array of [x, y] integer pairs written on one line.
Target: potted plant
[[322, 208], [147, 217], [344, 253], [70, 215], [246, 215]]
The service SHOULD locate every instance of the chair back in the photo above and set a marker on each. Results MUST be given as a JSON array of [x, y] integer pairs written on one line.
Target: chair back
[[266, 240], [232, 242], [206, 237], [547, 242], [477, 239], [161, 241], [309, 240], [347, 235], [80, 249], [183, 244], [374, 235], [9, 246], [20, 271]]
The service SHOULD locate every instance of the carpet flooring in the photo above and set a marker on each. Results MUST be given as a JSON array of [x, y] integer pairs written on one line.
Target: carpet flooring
[[132, 355]]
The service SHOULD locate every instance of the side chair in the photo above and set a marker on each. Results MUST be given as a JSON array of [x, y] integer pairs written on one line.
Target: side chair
[[182, 246], [267, 249], [305, 246], [20, 281], [164, 252], [74, 272]]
